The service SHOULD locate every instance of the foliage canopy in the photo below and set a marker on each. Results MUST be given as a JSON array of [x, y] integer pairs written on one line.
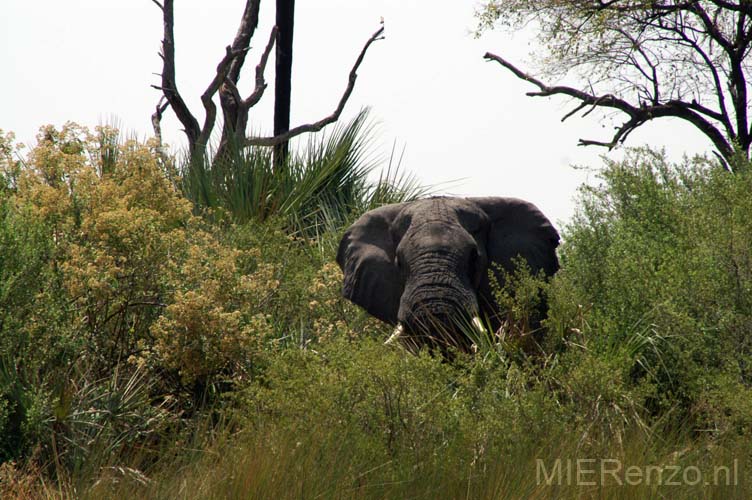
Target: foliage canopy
[[645, 59]]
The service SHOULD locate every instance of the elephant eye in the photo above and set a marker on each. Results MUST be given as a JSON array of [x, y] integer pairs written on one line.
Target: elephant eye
[[479, 231], [475, 266], [400, 265]]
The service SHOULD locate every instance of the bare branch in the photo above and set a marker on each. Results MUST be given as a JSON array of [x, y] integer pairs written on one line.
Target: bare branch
[[229, 87], [637, 115], [723, 115], [156, 118], [574, 111], [545, 91], [169, 85], [711, 27], [743, 6], [207, 98], [258, 91], [317, 126], [227, 69], [223, 69], [242, 42]]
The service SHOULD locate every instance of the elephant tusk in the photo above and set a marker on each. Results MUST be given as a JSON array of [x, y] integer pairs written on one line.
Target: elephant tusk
[[478, 325], [398, 331]]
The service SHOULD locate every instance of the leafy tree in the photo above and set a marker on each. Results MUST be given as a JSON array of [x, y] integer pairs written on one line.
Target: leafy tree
[[645, 59]]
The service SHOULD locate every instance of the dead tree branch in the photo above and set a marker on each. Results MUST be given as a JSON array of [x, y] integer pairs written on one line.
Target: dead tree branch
[[169, 85], [260, 87], [319, 125], [638, 115], [227, 69], [235, 108], [156, 119]]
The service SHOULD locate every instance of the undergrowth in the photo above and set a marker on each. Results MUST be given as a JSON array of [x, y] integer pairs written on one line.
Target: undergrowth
[[166, 348]]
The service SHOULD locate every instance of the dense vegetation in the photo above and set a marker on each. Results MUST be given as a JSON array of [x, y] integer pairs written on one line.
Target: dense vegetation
[[175, 332]]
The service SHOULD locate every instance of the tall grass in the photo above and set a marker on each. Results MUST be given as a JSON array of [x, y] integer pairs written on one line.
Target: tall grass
[[412, 427], [321, 464]]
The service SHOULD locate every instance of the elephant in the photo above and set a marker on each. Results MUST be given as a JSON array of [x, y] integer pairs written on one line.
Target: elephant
[[423, 266]]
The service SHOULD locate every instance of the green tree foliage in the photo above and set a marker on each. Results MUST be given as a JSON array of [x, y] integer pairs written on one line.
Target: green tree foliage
[[644, 59]]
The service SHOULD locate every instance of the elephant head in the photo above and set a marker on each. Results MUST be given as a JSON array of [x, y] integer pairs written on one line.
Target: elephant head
[[424, 265]]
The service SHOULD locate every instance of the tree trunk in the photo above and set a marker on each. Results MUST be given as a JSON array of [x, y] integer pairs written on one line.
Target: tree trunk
[[283, 77]]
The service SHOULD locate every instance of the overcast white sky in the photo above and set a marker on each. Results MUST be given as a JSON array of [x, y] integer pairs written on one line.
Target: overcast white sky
[[459, 117]]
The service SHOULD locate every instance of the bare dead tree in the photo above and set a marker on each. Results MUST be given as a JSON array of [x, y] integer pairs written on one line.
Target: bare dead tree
[[283, 75], [235, 108], [644, 59]]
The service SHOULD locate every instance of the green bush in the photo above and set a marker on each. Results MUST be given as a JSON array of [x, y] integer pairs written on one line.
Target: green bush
[[137, 308], [35, 341], [116, 303], [658, 258], [410, 420]]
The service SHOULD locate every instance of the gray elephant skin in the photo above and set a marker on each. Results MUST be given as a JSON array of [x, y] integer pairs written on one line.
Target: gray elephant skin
[[423, 266]]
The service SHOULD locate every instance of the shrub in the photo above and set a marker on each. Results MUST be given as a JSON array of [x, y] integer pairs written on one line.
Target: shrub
[[384, 406], [317, 189], [126, 283], [143, 308], [658, 257]]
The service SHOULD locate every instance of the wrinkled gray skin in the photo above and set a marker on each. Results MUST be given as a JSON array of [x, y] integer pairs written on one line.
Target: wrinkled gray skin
[[426, 262]]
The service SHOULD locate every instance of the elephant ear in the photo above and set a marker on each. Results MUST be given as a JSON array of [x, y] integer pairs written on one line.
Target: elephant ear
[[519, 228], [366, 255]]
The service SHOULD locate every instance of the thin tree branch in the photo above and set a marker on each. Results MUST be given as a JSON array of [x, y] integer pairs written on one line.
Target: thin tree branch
[[637, 115], [574, 111], [156, 118], [723, 115], [711, 28], [260, 87], [207, 98], [608, 100], [317, 126], [743, 6], [169, 85]]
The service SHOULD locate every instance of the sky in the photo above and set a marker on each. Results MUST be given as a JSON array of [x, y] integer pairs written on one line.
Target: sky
[[465, 124]]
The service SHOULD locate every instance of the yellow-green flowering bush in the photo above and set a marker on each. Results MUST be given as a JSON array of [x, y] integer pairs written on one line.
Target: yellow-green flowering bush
[[215, 319], [332, 316], [148, 282]]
